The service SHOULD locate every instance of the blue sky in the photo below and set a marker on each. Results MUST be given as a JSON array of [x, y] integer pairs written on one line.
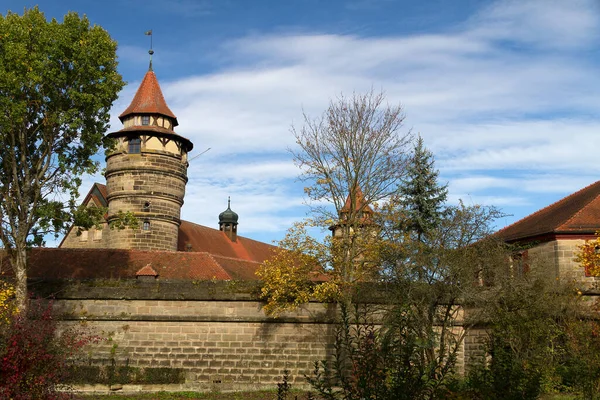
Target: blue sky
[[505, 93]]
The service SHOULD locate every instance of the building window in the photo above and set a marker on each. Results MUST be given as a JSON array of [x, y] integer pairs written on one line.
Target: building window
[[135, 145], [519, 264], [145, 120], [146, 225], [98, 234]]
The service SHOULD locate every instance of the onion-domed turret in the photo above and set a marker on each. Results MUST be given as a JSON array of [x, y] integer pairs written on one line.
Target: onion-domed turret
[[228, 221]]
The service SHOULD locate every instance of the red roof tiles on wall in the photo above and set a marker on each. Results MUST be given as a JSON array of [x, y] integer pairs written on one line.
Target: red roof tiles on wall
[[127, 264]]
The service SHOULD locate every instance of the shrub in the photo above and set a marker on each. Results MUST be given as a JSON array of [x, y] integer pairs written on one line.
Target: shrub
[[34, 354], [580, 369], [388, 362]]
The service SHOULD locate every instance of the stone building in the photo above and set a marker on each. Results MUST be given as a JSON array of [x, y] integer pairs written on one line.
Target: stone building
[[146, 175], [174, 295], [552, 234]]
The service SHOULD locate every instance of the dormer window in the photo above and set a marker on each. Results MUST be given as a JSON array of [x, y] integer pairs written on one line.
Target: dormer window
[[145, 120], [135, 145]]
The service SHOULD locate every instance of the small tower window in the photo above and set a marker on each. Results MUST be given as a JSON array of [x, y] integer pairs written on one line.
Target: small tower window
[[146, 225], [146, 206], [145, 120], [135, 145]]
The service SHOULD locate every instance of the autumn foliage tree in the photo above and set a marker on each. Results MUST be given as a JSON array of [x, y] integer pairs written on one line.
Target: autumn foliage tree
[[588, 256], [58, 81], [351, 157], [393, 235]]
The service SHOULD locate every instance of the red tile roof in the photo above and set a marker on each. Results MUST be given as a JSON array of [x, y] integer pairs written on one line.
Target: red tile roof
[[126, 264], [212, 256], [147, 271], [576, 214], [360, 203], [213, 241], [102, 191], [202, 238], [149, 100]]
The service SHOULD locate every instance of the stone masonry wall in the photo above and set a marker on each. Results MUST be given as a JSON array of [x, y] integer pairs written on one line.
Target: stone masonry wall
[[217, 333], [556, 259], [151, 185], [94, 239], [565, 252]]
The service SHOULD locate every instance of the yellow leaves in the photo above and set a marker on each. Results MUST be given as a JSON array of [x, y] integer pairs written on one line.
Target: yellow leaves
[[589, 256], [324, 270], [285, 283], [7, 306], [328, 291]]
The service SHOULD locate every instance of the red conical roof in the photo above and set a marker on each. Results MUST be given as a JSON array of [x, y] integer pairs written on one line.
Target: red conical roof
[[359, 203], [149, 100]]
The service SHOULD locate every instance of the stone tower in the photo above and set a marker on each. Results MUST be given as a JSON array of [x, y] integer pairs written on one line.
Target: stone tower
[[361, 218], [146, 171]]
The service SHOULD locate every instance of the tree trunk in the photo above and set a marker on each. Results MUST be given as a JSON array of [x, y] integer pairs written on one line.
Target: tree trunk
[[19, 264]]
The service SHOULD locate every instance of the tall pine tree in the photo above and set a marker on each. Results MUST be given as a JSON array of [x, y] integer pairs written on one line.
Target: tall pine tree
[[421, 195]]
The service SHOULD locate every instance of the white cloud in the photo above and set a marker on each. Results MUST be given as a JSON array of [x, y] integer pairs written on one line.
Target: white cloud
[[502, 92], [545, 23]]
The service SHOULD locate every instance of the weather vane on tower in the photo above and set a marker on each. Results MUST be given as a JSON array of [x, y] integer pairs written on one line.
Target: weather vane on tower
[[149, 33]]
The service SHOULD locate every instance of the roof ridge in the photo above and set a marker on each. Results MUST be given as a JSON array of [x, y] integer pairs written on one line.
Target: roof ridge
[[578, 211], [552, 205], [147, 270], [219, 265], [234, 258]]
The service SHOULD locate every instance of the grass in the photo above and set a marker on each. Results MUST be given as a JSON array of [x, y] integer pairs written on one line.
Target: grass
[[247, 395]]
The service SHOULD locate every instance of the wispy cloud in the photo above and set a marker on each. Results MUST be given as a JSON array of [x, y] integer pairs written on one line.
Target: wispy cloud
[[502, 92]]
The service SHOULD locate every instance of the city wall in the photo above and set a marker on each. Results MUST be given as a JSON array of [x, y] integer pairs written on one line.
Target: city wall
[[214, 333]]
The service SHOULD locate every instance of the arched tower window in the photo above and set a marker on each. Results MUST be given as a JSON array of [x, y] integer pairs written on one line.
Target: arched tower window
[[135, 145], [146, 225]]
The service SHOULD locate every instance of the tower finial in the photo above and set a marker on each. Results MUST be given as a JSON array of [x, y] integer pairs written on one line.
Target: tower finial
[[228, 201], [149, 33]]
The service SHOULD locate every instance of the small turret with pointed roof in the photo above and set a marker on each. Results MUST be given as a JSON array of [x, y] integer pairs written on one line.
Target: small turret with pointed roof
[[146, 171], [228, 221], [362, 210]]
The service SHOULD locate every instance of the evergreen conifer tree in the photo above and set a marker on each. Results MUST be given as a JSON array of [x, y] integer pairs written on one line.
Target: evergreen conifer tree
[[421, 194]]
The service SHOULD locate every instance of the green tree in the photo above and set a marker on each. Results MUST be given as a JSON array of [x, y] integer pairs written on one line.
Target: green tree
[[527, 317], [58, 81], [420, 193]]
